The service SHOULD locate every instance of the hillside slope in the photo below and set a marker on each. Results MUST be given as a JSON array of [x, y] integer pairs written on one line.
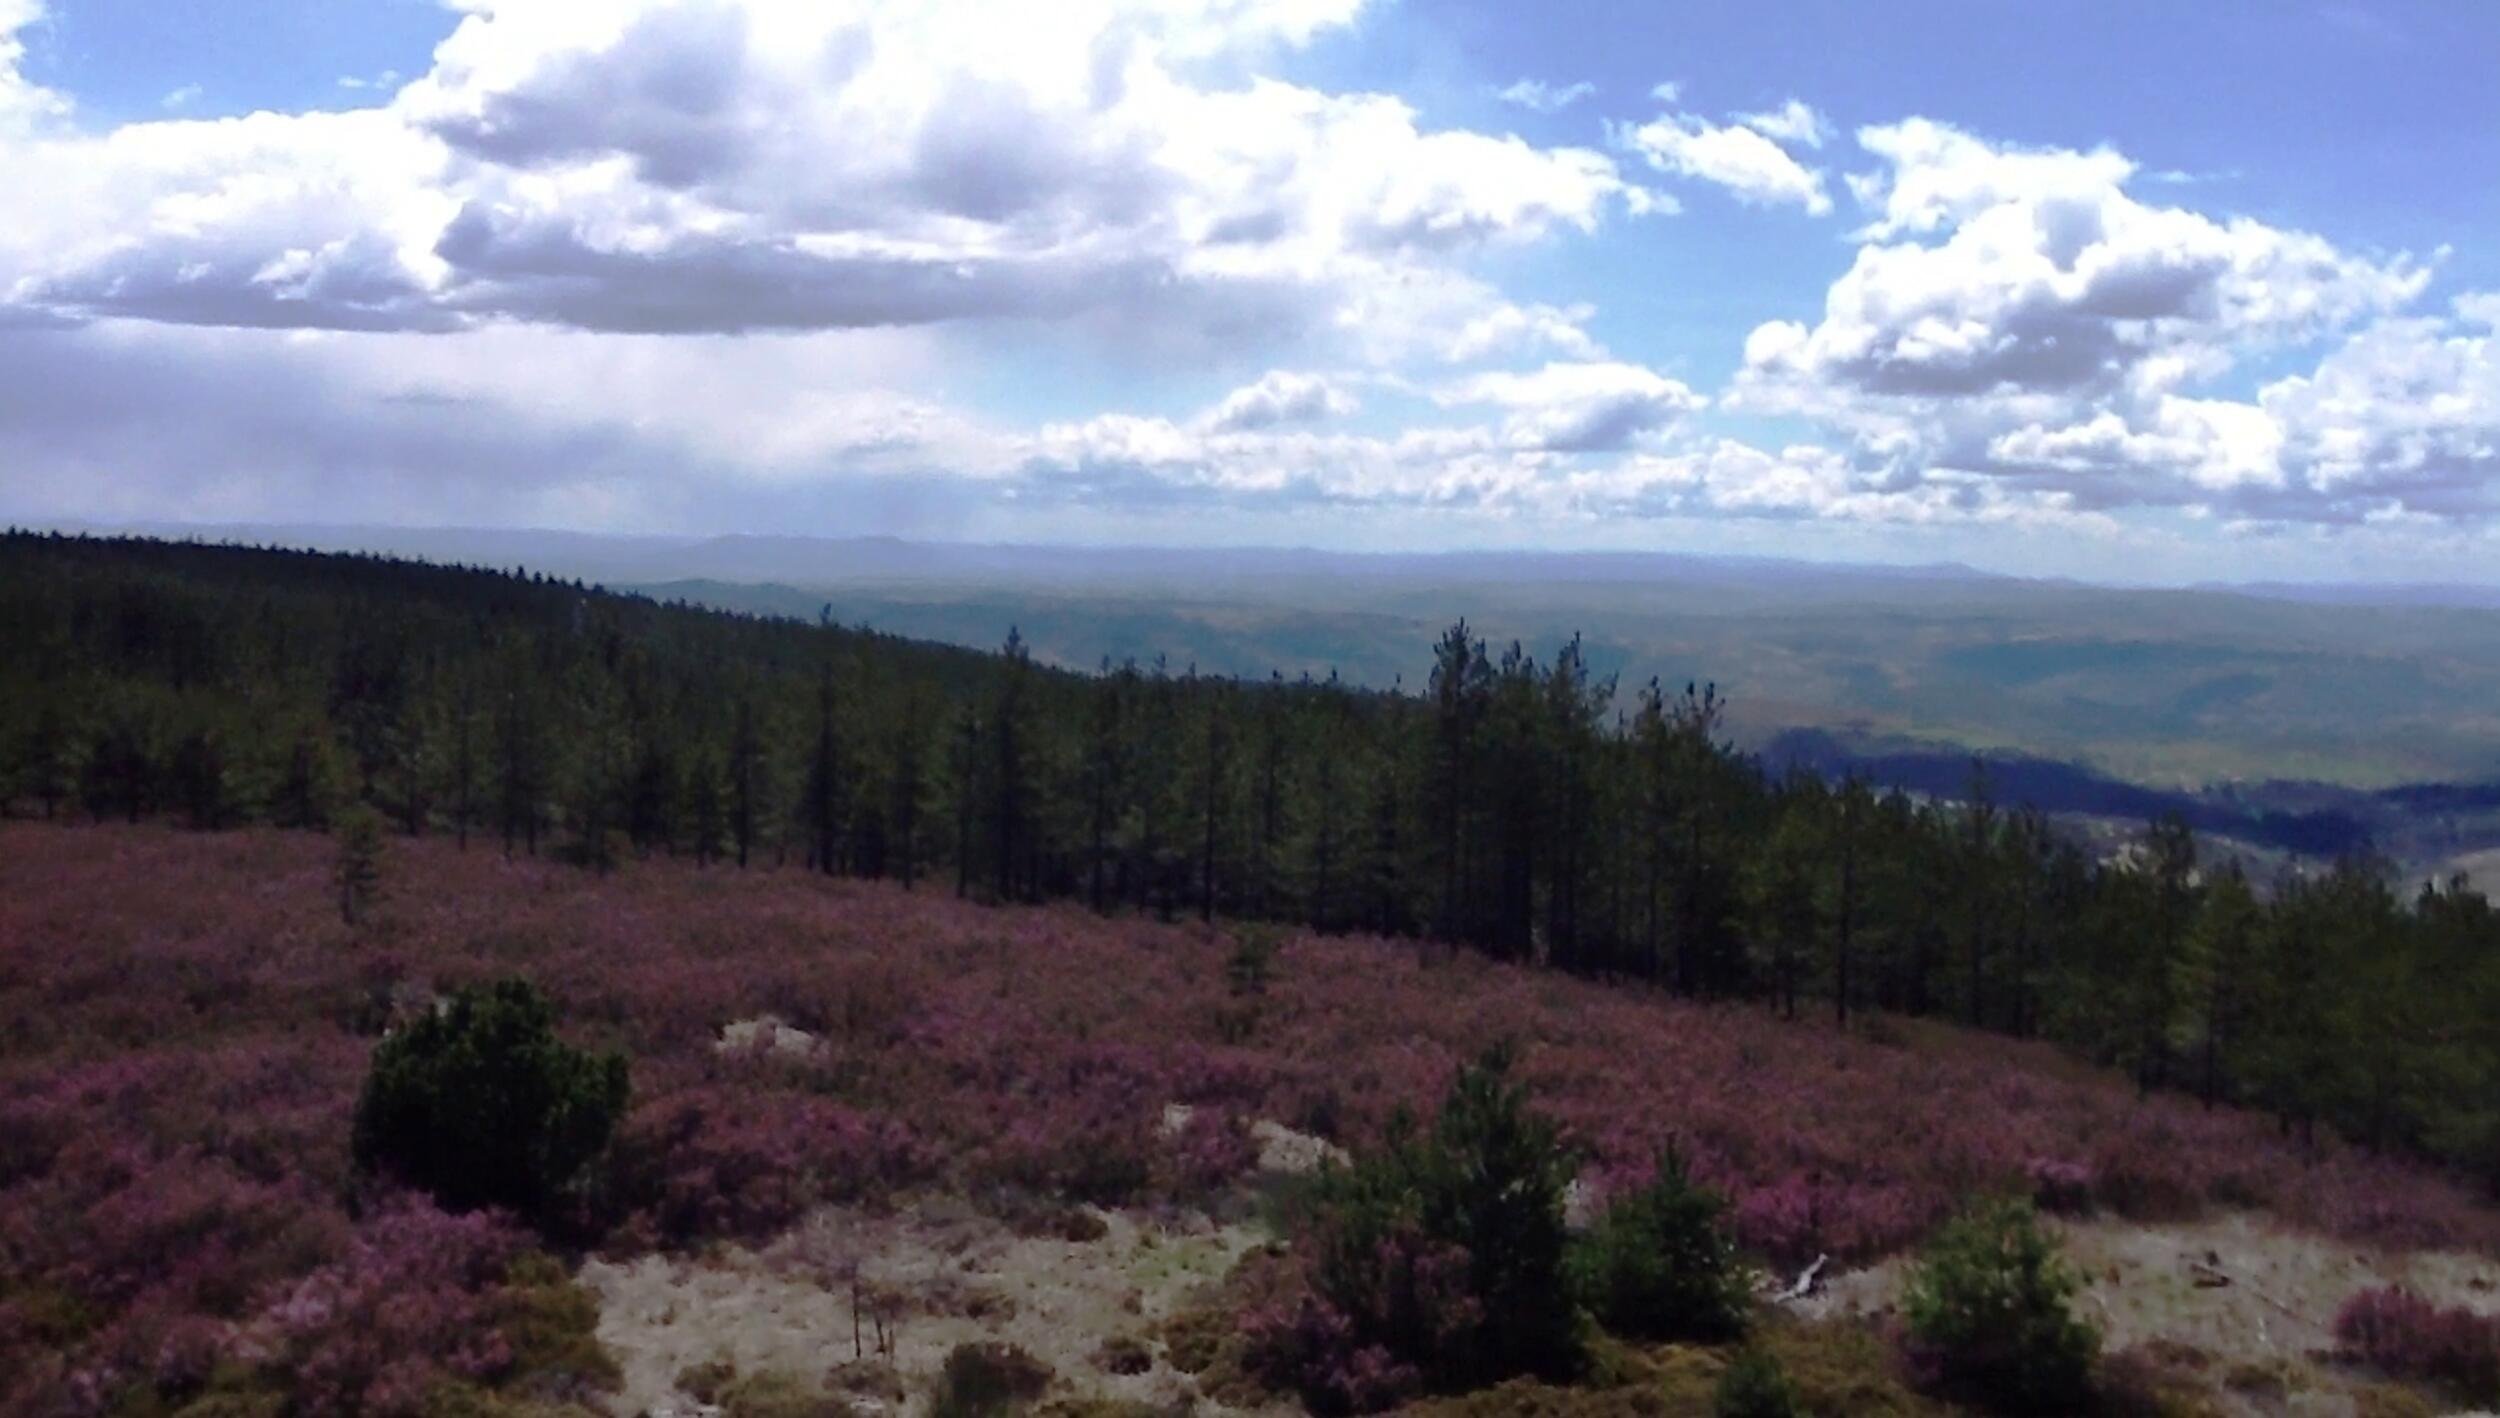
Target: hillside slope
[[187, 1022]]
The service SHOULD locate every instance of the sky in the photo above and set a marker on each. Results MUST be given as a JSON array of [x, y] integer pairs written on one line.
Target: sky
[[2122, 291]]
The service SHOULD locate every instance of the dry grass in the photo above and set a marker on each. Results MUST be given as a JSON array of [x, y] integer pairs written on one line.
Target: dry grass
[[935, 1276]]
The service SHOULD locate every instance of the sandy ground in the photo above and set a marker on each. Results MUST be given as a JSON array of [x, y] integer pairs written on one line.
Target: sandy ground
[[933, 1276], [2246, 1306], [2249, 1298], [941, 1273]]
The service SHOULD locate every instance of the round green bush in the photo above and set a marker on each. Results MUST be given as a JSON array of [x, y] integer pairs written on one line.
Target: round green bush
[[1659, 1264], [1755, 1386], [479, 1103], [1990, 1318]]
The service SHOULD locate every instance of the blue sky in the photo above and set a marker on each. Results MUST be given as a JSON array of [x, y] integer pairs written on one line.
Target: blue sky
[[2123, 291]]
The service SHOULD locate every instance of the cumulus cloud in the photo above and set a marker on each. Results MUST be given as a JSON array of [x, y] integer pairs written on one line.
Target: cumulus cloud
[[1728, 478], [666, 165], [1792, 122], [2402, 418], [1585, 407], [318, 221], [1740, 156], [25, 106], [1542, 97], [2016, 316], [1506, 327], [1280, 397], [712, 260], [1126, 461]]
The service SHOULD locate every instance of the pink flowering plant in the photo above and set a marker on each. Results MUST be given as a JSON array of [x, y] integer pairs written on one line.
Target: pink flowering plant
[[186, 1024]]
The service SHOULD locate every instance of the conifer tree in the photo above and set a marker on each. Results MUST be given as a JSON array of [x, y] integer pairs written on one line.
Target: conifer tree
[[707, 816], [1213, 783], [746, 771], [356, 874], [825, 783], [909, 787]]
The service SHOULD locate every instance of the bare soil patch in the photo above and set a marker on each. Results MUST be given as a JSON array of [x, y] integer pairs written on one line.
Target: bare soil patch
[[935, 1275], [2249, 1305]]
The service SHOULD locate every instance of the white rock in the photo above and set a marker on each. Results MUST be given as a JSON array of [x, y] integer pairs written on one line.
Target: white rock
[[765, 1034]]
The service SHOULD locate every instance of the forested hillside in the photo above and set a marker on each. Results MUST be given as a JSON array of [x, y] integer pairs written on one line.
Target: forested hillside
[[1519, 804]]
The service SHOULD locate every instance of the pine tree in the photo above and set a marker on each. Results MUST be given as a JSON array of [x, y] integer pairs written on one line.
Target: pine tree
[[909, 786], [1105, 752], [2216, 964], [1978, 886], [1460, 685], [707, 817], [746, 770], [357, 872], [44, 769], [825, 784], [1010, 766], [2166, 900], [464, 757], [1272, 787], [1213, 784], [200, 778]]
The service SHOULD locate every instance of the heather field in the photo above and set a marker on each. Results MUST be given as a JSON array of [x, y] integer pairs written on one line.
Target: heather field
[[185, 1023]]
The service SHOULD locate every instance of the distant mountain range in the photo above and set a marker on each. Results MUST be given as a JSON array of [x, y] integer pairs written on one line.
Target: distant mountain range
[[825, 561]]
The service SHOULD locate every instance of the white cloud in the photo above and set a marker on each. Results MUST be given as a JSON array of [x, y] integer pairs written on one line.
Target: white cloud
[[1542, 97], [1735, 156], [664, 165], [180, 98], [2047, 277], [2405, 415], [25, 106], [1792, 122], [1723, 477], [2015, 315], [1592, 406], [1507, 327], [322, 220], [715, 260], [1280, 397]]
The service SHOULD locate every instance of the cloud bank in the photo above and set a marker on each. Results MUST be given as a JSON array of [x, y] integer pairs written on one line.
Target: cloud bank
[[657, 260]]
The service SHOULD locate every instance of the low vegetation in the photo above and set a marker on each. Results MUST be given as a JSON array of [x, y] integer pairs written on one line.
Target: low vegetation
[[1436, 1263], [1523, 805], [182, 1060], [478, 1102], [2405, 1335], [988, 1381], [1990, 1313], [1755, 1386], [1660, 1264]]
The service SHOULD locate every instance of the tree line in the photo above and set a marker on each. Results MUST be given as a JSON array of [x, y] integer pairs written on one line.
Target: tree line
[[1529, 808]]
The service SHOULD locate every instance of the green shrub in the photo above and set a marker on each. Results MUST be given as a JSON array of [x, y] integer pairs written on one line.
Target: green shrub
[[773, 1393], [1755, 1386], [481, 1104], [1659, 1263], [988, 1380], [1252, 963], [1495, 1190], [1989, 1317], [1438, 1260]]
